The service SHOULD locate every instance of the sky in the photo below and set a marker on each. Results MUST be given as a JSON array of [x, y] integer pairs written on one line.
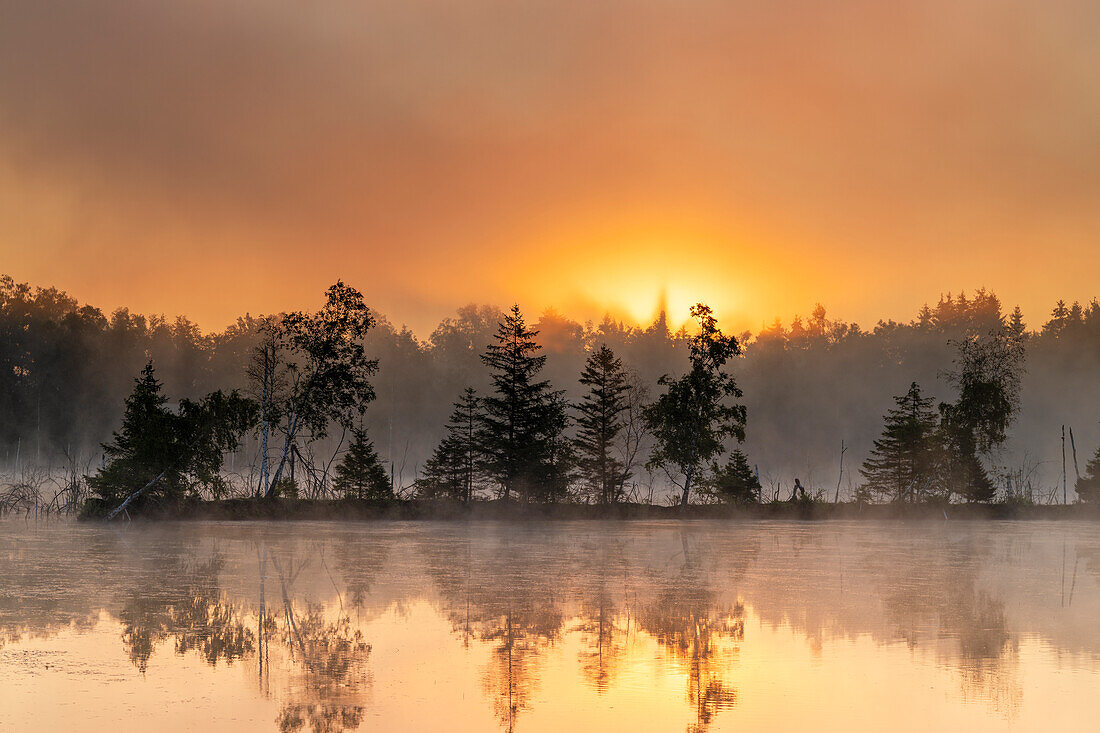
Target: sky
[[216, 157]]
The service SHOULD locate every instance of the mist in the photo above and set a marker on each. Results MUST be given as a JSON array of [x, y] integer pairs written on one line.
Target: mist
[[808, 385]]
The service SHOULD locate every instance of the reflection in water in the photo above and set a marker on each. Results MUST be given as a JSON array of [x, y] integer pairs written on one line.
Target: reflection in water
[[681, 620]]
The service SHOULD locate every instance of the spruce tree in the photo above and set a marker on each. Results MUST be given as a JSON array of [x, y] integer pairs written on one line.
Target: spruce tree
[[902, 465], [733, 483], [452, 470], [520, 416], [160, 457], [1088, 486], [600, 422], [146, 446], [360, 474]]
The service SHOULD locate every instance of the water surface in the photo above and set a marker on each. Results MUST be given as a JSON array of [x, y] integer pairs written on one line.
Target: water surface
[[618, 626]]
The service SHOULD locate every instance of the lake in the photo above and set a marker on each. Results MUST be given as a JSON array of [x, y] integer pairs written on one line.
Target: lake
[[550, 626]]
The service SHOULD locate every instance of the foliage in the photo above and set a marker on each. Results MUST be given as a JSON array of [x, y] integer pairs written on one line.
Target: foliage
[[693, 418], [1088, 486], [733, 483], [903, 465], [452, 469], [987, 373], [522, 420], [314, 370], [360, 475], [179, 453], [599, 424]]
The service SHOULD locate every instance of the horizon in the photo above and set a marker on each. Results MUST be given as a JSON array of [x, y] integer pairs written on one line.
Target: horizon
[[1033, 322]]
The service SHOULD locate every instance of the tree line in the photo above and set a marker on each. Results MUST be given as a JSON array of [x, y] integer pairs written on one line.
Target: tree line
[[593, 399]]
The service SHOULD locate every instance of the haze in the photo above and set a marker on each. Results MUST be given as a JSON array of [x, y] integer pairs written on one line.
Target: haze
[[216, 157]]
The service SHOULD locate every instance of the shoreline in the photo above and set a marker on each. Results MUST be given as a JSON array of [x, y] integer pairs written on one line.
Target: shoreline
[[345, 509]]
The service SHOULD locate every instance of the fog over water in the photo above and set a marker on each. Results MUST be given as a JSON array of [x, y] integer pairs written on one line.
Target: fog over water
[[692, 625]]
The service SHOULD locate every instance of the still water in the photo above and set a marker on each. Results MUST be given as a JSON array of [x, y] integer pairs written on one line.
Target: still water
[[557, 626]]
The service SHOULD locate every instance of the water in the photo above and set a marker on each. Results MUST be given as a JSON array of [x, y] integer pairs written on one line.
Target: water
[[570, 626]]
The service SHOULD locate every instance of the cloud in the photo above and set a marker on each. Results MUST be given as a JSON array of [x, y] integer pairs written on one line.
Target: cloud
[[216, 156]]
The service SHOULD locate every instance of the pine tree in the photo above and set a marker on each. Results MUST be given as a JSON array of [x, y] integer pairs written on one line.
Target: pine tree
[[1059, 319], [360, 474], [146, 446], [600, 423], [1088, 486], [1016, 325], [733, 483], [441, 477], [555, 467], [902, 465], [452, 470], [160, 457], [520, 416]]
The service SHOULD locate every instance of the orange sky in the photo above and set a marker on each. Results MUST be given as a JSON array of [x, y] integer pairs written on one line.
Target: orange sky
[[211, 157]]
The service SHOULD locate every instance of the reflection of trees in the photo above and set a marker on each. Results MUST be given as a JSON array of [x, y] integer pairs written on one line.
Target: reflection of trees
[[939, 602], [516, 593], [327, 655], [319, 718], [330, 657], [603, 638], [500, 594], [687, 622], [188, 606]]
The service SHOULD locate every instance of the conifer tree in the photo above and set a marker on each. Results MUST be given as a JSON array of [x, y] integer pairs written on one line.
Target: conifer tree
[[159, 457], [521, 415], [733, 483], [902, 465], [599, 424], [1088, 486], [1016, 325], [144, 447], [554, 470], [452, 470], [360, 475]]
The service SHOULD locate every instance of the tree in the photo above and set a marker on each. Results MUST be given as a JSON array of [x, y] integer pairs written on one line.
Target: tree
[[556, 463], [902, 465], [313, 372], [360, 475], [962, 471], [1088, 486], [522, 416], [160, 457], [693, 417], [599, 424], [452, 470], [635, 430], [733, 483], [987, 372]]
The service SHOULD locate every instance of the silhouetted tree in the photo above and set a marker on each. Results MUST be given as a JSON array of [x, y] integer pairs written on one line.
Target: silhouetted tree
[[987, 373], [733, 483], [452, 469], [693, 417], [161, 457], [324, 370], [521, 416], [599, 424], [902, 466], [360, 475], [557, 462], [1088, 486]]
